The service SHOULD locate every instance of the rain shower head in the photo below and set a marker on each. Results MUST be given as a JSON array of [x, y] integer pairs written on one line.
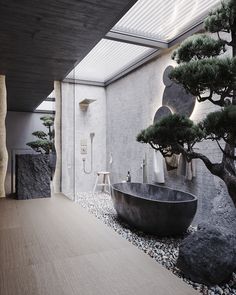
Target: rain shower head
[[84, 104]]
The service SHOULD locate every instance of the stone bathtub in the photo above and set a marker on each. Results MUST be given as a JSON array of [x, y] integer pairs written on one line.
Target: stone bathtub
[[154, 209]]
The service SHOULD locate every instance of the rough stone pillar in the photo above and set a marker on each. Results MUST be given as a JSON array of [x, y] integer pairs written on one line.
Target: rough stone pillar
[[57, 128], [3, 149]]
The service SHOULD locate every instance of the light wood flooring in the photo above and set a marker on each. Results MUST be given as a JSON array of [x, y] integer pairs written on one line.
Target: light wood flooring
[[54, 247]]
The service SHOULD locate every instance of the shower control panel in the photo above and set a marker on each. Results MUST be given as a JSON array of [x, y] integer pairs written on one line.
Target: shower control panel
[[83, 147]]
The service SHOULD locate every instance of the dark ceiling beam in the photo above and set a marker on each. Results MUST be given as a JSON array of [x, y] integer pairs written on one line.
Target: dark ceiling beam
[[135, 40], [84, 82]]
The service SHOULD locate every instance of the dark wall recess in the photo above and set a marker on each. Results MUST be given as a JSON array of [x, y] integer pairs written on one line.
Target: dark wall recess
[[175, 99]]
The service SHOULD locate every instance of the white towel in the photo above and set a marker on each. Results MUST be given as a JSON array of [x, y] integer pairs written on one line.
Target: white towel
[[189, 174], [182, 166], [191, 170], [111, 159], [187, 169], [158, 167]]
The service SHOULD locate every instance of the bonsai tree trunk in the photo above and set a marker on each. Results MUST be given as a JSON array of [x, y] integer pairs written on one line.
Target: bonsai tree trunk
[[229, 173], [231, 186], [224, 170]]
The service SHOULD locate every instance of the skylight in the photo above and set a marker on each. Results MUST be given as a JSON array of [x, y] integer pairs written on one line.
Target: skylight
[[107, 59], [48, 105], [148, 26], [163, 20]]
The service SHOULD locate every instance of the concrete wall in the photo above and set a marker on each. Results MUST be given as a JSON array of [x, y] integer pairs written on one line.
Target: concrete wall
[[19, 128], [76, 127], [131, 104], [121, 110]]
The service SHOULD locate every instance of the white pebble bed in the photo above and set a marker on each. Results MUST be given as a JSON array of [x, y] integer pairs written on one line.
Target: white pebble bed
[[163, 250]]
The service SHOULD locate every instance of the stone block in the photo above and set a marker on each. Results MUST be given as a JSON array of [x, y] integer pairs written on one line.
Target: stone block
[[33, 175]]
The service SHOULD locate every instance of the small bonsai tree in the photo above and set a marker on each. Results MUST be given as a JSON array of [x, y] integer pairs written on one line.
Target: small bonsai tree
[[45, 142], [208, 77]]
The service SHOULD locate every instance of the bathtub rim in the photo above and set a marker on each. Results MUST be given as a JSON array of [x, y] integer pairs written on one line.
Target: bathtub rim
[[156, 201]]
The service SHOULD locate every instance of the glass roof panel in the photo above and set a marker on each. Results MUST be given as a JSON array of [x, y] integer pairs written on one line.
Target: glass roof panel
[[52, 94], [163, 20], [107, 59], [46, 106], [158, 20]]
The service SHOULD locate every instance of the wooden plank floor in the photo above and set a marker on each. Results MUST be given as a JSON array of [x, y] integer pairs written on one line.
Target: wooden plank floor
[[54, 247]]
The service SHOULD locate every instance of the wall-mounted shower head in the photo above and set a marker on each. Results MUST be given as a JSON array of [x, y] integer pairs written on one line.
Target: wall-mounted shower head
[[92, 134]]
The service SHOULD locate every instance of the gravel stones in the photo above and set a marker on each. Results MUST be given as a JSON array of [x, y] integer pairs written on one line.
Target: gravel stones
[[163, 250]]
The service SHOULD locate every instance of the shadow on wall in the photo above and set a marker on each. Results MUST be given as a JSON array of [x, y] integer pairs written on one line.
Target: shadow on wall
[[175, 100]]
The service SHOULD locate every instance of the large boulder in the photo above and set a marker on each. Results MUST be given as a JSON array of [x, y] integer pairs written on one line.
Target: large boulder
[[208, 256]]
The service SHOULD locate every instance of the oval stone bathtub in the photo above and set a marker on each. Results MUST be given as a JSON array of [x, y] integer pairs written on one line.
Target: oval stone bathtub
[[154, 209]]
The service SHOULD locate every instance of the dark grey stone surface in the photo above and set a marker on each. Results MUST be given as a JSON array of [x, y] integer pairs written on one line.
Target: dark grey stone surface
[[208, 256], [176, 97], [32, 176], [154, 209], [223, 211], [161, 113]]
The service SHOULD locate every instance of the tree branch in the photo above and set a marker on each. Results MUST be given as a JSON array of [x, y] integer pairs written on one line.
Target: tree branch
[[223, 40], [228, 155], [214, 168], [204, 98], [153, 146]]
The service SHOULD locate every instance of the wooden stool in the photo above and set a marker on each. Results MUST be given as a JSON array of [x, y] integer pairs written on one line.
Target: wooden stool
[[105, 182]]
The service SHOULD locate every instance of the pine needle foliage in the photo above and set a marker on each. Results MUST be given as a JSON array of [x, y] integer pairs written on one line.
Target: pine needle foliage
[[45, 141], [205, 72]]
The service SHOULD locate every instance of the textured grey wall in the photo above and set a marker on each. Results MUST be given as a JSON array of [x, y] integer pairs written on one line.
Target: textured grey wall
[[76, 126], [131, 104], [19, 128], [119, 113]]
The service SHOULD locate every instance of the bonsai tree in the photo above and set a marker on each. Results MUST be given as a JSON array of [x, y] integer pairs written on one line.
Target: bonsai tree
[[45, 141], [209, 78]]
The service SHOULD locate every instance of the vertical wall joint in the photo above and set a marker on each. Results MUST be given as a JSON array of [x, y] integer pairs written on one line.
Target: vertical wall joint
[[3, 149], [57, 128]]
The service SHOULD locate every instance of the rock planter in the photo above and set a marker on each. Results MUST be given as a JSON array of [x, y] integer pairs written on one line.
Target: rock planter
[[208, 256], [33, 175]]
